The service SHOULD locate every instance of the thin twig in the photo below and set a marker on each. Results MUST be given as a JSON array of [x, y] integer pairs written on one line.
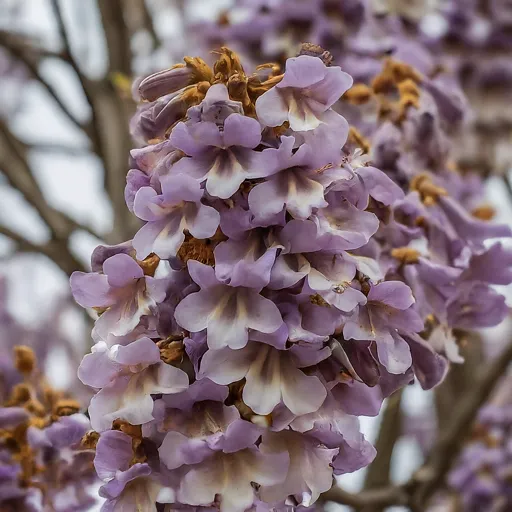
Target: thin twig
[[84, 81], [147, 21], [385, 497], [20, 53], [52, 250], [56, 147], [14, 165]]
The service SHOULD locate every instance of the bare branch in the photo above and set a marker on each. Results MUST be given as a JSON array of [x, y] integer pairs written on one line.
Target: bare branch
[[56, 147], [384, 497], [20, 52], [117, 36], [52, 249], [378, 474], [14, 165], [451, 440], [430, 477], [147, 21], [459, 379]]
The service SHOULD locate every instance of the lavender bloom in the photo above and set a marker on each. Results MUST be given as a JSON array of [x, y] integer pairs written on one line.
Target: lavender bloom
[[129, 375], [309, 473], [296, 301], [481, 475], [126, 485], [224, 158], [177, 209], [308, 88], [291, 185], [217, 306], [185, 444], [123, 289], [229, 475], [271, 375]]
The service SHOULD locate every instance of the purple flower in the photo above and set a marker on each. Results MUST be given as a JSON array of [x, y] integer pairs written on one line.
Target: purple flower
[[229, 476], [177, 209], [128, 376], [310, 470], [292, 185], [388, 309], [331, 277], [224, 158], [247, 261], [223, 430], [123, 289], [271, 375], [215, 108], [307, 90], [336, 429], [125, 485], [341, 226], [217, 306]]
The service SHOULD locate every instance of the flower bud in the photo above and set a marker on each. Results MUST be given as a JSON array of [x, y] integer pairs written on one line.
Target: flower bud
[[165, 82]]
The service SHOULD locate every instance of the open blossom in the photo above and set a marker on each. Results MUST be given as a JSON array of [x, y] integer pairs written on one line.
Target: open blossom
[[308, 89], [272, 295], [226, 312], [129, 376], [176, 210], [123, 289]]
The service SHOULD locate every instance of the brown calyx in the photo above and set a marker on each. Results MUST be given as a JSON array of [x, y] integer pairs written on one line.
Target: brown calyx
[[90, 440], [281, 130], [24, 359], [393, 73], [65, 407], [318, 300], [172, 349], [127, 428], [20, 394], [359, 94], [355, 137], [409, 93], [227, 64], [238, 91], [135, 432], [149, 264], [201, 72], [194, 94], [314, 50], [429, 192], [396, 79], [200, 250], [406, 255], [484, 212]]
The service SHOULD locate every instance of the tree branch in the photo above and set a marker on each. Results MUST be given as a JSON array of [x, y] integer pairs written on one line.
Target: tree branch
[[385, 497], [378, 474], [14, 165], [451, 440], [53, 250], [430, 477], [20, 52], [116, 35], [87, 86]]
